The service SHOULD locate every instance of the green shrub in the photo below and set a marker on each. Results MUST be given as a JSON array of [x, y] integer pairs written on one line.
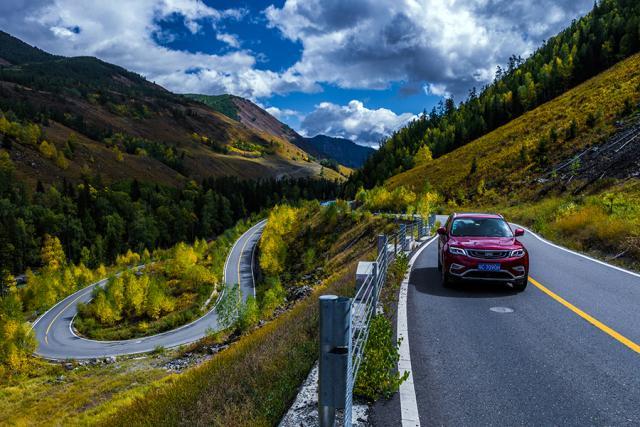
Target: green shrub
[[249, 315], [378, 376]]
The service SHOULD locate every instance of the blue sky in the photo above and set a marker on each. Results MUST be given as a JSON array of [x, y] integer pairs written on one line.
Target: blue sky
[[278, 53], [357, 69]]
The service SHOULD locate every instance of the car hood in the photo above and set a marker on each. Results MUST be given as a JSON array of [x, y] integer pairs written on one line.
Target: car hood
[[485, 242]]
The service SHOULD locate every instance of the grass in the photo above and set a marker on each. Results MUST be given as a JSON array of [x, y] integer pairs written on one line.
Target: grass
[[595, 106], [253, 382], [54, 396], [605, 224]]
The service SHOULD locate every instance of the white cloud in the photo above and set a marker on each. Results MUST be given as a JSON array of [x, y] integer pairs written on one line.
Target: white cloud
[[449, 45], [283, 113], [63, 33], [125, 33], [353, 121], [436, 89], [229, 39], [446, 46]]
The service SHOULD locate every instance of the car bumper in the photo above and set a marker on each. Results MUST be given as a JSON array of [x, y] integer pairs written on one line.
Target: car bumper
[[466, 268]]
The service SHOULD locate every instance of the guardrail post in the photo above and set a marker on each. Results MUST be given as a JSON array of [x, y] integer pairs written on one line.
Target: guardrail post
[[375, 271], [335, 357], [403, 237], [382, 244], [395, 244]]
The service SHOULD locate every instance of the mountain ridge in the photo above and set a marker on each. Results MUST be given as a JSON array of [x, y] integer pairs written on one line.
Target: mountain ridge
[[98, 118], [322, 147]]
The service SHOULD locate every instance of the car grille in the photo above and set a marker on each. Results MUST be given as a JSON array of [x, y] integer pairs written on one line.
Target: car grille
[[498, 275], [488, 254]]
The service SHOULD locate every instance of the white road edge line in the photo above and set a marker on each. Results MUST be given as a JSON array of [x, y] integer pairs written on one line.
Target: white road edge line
[[606, 264], [408, 401]]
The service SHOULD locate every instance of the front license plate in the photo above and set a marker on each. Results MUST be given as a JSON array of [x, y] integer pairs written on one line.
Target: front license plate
[[489, 267]]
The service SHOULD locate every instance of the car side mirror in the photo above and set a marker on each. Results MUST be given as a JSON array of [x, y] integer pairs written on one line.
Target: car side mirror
[[442, 231], [519, 232]]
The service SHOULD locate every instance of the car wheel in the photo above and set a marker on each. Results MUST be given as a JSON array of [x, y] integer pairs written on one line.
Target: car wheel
[[521, 284], [446, 278]]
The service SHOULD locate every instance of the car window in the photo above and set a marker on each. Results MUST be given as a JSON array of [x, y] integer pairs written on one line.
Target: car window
[[480, 227]]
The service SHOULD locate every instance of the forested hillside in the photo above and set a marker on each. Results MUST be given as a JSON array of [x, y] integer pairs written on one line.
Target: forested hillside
[[609, 33], [96, 223], [568, 169], [79, 117]]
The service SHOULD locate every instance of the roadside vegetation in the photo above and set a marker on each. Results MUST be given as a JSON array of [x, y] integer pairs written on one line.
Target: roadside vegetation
[[254, 381], [378, 376], [605, 223], [399, 200], [177, 288]]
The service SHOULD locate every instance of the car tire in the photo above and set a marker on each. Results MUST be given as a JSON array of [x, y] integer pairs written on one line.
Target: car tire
[[521, 284], [447, 281]]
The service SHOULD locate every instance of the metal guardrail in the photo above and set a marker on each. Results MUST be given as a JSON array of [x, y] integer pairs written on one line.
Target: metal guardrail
[[344, 325]]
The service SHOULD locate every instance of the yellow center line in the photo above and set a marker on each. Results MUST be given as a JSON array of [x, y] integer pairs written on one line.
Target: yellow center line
[[240, 257], [595, 322], [46, 334]]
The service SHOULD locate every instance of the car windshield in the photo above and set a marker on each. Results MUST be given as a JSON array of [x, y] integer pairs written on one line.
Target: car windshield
[[480, 227]]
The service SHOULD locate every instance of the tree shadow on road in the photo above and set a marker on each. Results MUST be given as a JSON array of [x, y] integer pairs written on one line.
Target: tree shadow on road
[[427, 280]]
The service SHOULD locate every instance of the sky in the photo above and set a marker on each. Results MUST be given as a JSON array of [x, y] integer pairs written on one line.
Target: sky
[[357, 69]]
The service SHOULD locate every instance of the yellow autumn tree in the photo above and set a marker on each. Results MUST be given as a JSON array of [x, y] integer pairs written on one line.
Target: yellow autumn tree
[[135, 291], [51, 253], [426, 203], [61, 161], [104, 311], [423, 155], [48, 150], [273, 245]]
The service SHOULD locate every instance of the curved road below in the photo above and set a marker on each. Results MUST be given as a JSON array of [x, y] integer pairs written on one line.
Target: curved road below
[[57, 340], [566, 351]]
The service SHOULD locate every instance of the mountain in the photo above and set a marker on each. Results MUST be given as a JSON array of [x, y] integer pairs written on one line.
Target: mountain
[[99, 119], [577, 137], [587, 47], [341, 150], [16, 52], [568, 169], [344, 151]]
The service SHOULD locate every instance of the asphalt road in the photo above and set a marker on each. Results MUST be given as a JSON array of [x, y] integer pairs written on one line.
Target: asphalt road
[[57, 340], [533, 360]]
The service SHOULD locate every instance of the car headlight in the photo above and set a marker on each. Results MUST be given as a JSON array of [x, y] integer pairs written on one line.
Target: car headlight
[[457, 251], [517, 253]]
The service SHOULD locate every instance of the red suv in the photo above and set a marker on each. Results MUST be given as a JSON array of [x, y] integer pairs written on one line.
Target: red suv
[[482, 247]]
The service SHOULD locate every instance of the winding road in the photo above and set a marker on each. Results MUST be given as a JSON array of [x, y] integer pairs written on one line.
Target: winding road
[[566, 351], [58, 341]]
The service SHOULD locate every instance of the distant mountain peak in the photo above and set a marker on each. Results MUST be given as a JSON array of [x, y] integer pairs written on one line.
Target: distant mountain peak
[[342, 150]]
